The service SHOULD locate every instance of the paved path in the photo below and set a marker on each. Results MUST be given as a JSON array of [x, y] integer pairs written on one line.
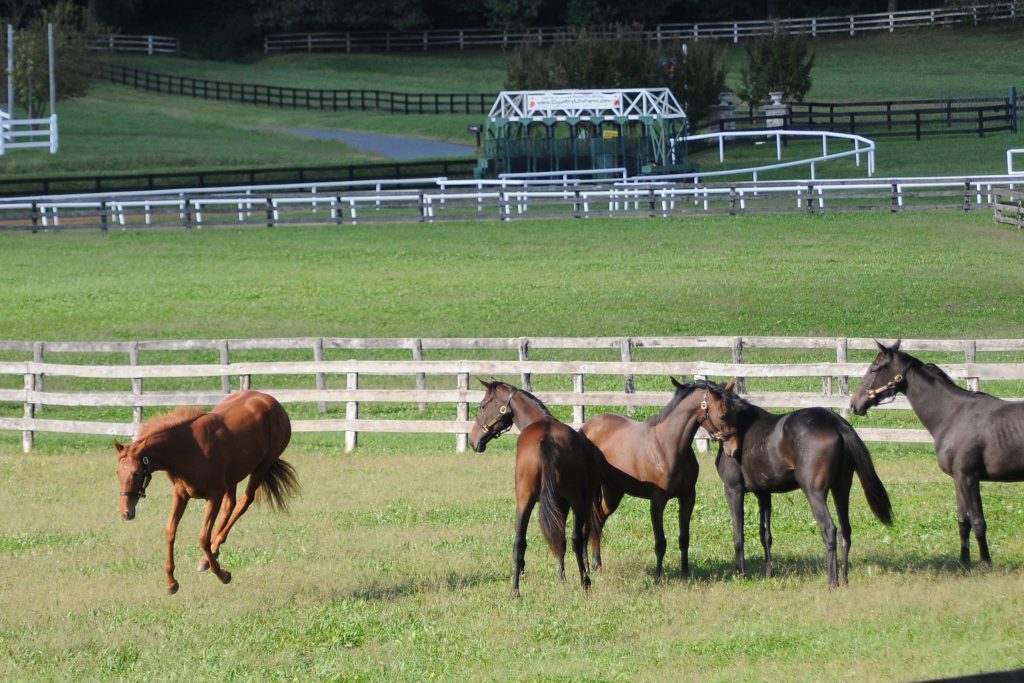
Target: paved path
[[387, 146]]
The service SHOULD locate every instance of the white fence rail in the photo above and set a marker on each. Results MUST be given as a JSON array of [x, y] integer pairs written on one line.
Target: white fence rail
[[28, 133], [444, 382], [440, 199], [388, 41], [147, 44]]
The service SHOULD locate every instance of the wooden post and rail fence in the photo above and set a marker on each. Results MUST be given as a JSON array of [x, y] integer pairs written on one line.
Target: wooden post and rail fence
[[38, 386]]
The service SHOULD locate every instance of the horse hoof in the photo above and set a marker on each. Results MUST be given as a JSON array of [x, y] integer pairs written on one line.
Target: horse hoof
[[172, 588], [226, 578], [586, 583], [203, 566]]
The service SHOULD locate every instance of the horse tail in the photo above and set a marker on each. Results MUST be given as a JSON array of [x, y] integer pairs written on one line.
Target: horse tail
[[597, 469], [279, 484], [874, 491], [552, 521]]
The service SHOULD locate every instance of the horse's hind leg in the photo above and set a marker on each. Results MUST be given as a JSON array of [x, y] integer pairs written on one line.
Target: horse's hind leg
[[226, 509], [579, 540], [212, 508], [841, 497], [686, 503], [819, 506], [764, 504], [609, 502], [734, 496], [968, 490], [248, 497], [523, 510]]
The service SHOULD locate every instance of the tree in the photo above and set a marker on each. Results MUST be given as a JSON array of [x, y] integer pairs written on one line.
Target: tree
[[72, 27], [777, 61]]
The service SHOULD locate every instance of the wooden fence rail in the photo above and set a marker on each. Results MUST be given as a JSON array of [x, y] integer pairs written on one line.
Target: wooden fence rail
[[26, 379], [1009, 207]]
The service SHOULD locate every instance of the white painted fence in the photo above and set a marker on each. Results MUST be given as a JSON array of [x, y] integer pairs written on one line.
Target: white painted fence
[[344, 203], [387, 41], [28, 133], [28, 380], [147, 44]]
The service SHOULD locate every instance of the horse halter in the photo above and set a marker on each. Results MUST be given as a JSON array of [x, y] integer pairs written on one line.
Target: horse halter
[[718, 434], [147, 476], [495, 426], [881, 393]]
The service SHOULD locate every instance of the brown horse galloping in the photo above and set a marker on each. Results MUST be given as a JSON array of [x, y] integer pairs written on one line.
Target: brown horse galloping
[[555, 465], [205, 455], [654, 459]]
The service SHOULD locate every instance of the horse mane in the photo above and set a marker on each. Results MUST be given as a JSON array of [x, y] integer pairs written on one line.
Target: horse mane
[[687, 389], [526, 394], [165, 421]]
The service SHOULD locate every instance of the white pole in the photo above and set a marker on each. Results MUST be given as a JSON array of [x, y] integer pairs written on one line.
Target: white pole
[[53, 61]]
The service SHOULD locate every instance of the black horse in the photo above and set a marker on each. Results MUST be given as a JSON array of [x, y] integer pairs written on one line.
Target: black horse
[[978, 437], [812, 449]]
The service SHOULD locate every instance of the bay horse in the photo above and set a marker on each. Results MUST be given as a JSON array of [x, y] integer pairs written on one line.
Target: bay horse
[[812, 449], [555, 465], [654, 459], [205, 455], [978, 437]]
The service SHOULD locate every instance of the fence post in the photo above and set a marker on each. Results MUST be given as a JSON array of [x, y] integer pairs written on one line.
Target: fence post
[[462, 412], [421, 378], [626, 353], [321, 378], [352, 413], [842, 356], [30, 412], [1011, 110], [270, 213], [970, 356], [524, 354], [133, 360], [579, 413], [37, 357], [225, 380], [737, 357]]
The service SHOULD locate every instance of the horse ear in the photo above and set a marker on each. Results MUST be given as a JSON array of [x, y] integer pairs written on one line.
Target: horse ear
[[730, 385], [119, 446], [675, 382], [483, 382], [896, 346], [881, 347]]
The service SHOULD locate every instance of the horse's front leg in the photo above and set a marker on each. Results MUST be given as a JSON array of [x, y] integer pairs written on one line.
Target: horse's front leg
[[764, 502], [212, 508], [734, 496], [660, 544], [178, 503], [686, 503]]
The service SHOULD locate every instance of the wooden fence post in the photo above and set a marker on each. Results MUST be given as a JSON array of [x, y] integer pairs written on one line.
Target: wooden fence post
[[737, 357], [352, 413], [842, 356], [133, 359], [421, 378], [37, 357], [27, 435], [579, 414], [225, 380], [462, 412], [321, 378], [526, 379], [629, 385], [970, 357]]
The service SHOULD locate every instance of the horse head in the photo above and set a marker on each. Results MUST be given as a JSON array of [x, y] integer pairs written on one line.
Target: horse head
[[720, 414], [494, 416], [886, 376], [135, 474]]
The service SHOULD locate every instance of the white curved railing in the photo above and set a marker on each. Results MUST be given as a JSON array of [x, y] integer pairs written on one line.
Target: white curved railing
[[1010, 170]]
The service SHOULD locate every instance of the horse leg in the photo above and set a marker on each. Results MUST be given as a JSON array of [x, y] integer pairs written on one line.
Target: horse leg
[[660, 544], [734, 496], [819, 506], [559, 549], [248, 498], [212, 508], [178, 505], [764, 504], [686, 502], [226, 508], [579, 540], [841, 497], [976, 514], [610, 500], [523, 510], [963, 519]]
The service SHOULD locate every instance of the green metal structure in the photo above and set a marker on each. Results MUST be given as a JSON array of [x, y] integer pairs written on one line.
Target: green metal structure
[[641, 130]]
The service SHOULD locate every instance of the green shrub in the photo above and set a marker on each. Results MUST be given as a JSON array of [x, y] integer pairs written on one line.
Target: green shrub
[[776, 62]]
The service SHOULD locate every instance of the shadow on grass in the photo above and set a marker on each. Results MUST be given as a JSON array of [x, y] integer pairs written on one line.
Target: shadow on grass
[[453, 581]]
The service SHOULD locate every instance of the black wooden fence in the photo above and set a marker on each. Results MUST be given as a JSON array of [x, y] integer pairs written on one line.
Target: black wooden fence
[[950, 116]]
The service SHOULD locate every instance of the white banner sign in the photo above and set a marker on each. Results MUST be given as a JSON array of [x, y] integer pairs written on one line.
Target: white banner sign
[[573, 101]]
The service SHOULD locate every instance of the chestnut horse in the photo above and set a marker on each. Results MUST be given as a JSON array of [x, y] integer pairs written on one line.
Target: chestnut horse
[[555, 465], [654, 459], [812, 449], [205, 455], [978, 437]]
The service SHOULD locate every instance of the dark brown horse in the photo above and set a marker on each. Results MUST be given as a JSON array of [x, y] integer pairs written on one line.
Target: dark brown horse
[[205, 455], [654, 459], [978, 437], [555, 465], [812, 449]]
